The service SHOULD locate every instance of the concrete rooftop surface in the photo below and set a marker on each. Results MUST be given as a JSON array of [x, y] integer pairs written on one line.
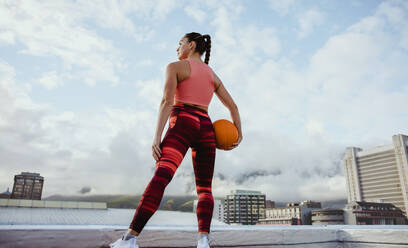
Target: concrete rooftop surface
[[221, 236]]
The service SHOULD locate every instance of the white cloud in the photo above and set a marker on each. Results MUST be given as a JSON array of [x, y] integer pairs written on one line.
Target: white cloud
[[395, 12], [86, 147], [51, 80], [315, 128], [145, 62], [150, 91], [258, 41], [53, 29], [7, 37], [282, 7], [300, 120], [308, 21], [117, 15], [57, 29], [297, 121], [269, 94], [160, 46], [196, 13], [357, 78]]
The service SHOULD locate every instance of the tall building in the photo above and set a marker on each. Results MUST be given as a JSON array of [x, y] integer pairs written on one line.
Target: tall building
[[379, 174], [27, 186], [218, 211], [244, 207]]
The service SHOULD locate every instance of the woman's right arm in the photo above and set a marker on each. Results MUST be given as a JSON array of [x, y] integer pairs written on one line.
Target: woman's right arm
[[228, 102]]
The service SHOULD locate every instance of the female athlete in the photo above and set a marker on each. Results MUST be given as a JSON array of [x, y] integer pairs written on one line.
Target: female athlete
[[189, 87]]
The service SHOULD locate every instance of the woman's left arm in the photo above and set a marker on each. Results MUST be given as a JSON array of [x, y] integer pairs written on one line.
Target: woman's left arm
[[165, 107]]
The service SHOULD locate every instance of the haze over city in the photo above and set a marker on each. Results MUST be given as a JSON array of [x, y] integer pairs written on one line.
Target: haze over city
[[81, 83]]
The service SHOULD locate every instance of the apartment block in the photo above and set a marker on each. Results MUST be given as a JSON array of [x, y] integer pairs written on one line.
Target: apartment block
[[27, 186], [244, 207], [379, 174]]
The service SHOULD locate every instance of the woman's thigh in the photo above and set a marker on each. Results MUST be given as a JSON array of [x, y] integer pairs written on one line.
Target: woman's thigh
[[203, 153]]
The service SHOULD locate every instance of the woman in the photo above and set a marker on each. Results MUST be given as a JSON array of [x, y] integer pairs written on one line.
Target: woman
[[188, 90]]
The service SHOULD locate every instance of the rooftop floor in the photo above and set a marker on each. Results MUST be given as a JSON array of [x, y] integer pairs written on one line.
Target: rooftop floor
[[221, 236]]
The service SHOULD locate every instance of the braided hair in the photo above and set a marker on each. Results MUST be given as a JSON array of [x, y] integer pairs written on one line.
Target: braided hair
[[203, 44]]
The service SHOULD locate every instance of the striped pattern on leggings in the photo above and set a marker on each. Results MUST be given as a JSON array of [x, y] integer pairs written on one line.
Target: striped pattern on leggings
[[188, 127]]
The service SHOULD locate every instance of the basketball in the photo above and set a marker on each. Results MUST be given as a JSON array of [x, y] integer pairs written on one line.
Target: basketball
[[225, 133]]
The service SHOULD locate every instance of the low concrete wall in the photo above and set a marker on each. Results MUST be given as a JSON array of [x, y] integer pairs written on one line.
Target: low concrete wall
[[24, 203], [186, 236]]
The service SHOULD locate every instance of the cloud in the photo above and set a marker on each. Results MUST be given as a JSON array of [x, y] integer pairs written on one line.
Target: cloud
[[308, 21], [269, 94], [53, 29], [57, 29], [85, 189], [72, 146], [281, 7], [299, 120], [151, 91], [254, 174], [51, 80], [296, 119], [196, 13], [352, 69]]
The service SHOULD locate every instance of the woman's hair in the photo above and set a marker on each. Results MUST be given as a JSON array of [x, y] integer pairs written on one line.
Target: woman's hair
[[203, 44]]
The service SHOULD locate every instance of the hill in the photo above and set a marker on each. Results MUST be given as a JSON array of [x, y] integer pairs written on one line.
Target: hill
[[174, 203]]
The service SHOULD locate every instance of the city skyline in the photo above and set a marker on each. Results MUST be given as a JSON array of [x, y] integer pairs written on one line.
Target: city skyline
[[81, 82]]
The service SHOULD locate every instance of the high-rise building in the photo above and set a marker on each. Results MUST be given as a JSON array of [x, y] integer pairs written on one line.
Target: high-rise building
[[244, 207], [379, 174], [27, 186]]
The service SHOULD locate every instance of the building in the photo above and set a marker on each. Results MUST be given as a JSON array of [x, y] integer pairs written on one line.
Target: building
[[27, 186], [328, 216], [218, 211], [373, 213], [379, 174], [244, 207], [5, 194], [292, 214]]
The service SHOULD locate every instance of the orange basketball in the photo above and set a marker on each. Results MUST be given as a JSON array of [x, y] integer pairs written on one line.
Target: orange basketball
[[225, 133]]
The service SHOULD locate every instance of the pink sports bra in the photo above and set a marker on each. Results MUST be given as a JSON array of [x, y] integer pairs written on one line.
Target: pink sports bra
[[198, 88]]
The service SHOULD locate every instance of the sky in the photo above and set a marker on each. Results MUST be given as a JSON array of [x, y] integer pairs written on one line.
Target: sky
[[81, 83]]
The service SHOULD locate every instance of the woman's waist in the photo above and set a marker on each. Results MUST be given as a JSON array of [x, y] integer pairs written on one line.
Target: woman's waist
[[192, 109], [202, 99]]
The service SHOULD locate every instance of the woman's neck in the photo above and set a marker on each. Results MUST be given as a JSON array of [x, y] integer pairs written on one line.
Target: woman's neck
[[196, 58]]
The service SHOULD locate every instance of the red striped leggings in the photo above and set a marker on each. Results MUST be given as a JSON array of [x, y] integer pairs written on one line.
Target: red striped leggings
[[188, 127]]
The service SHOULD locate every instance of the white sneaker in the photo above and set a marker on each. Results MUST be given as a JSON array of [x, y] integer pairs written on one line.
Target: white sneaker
[[203, 242], [121, 243]]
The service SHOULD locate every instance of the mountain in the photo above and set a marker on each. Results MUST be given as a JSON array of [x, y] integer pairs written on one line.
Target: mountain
[[174, 203]]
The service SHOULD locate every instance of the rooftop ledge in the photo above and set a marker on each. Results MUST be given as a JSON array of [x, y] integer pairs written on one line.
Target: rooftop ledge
[[221, 236]]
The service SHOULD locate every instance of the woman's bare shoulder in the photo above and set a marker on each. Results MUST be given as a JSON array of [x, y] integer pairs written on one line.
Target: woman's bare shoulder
[[178, 63]]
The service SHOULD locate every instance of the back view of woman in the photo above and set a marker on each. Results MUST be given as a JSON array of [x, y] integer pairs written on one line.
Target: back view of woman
[[189, 87]]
